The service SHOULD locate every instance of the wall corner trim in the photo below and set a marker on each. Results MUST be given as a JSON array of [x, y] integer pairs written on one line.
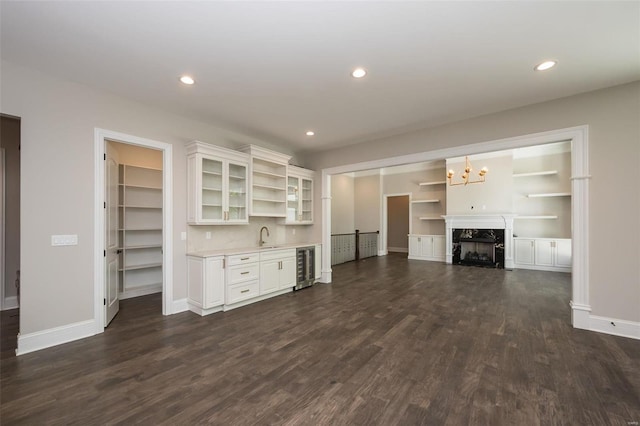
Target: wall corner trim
[[180, 305], [54, 336]]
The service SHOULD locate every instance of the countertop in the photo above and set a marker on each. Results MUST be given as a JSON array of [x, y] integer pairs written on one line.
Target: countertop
[[243, 250]]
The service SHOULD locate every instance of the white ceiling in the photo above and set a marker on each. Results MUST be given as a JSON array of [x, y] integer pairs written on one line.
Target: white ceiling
[[276, 69]]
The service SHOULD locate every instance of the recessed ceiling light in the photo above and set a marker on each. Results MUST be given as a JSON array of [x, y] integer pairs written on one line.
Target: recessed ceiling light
[[310, 133], [187, 80], [545, 65], [358, 73]]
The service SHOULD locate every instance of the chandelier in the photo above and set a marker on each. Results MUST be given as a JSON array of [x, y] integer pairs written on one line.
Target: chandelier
[[467, 172]]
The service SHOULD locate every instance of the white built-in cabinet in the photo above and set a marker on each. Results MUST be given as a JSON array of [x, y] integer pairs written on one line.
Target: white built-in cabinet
[[427, 247], [277, 270], [268, 182], [205, 284], [243, 277], [548, 254], [224, 282], [217, 185], [299, 196], [140, 231]]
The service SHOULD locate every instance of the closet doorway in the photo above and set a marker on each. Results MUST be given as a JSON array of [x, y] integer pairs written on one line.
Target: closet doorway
[[133, 223]]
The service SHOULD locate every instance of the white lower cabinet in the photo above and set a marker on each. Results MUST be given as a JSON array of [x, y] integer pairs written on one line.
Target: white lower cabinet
[[277, 270], [427, 247], [216, 283], [546, 254], [243, 276], [206, 284]]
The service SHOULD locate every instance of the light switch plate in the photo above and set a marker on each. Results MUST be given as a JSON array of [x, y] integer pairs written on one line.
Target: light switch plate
[[64, 240], [183, 236], [207, 235]]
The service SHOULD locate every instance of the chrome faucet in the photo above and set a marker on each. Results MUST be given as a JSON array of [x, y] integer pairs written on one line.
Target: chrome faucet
[[261, 239]]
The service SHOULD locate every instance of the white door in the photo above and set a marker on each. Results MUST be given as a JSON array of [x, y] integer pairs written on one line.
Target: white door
[[269, 276], [544, 252], [112, 251], [288, 273], [563, 253], [523, 251], [427, 246]]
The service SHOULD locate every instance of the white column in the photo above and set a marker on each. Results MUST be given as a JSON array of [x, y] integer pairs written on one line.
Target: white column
[[326, 228]]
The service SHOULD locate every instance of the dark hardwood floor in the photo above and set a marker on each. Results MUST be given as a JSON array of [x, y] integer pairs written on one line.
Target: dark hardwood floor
[[391, 341]]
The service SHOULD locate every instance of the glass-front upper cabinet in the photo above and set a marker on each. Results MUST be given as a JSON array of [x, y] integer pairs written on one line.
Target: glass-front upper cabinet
[[217, 185], [299, 196]]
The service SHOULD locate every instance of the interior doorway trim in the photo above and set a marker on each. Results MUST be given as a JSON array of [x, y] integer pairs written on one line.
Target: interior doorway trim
[[385, 218], [101, 136], [2, 227], [580, 177]]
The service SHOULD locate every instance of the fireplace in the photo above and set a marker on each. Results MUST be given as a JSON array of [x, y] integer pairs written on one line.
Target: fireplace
[[489, 240], [478, 247]]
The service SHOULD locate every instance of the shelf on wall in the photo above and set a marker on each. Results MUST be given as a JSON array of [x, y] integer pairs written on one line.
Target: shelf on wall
[[424, 201], [440, 182], [149, 246], [537, 217], [552, 194], [139, 207], [269, 201], [265, 173], [277, 188], [143, 266], [431, 218], [542, 173]]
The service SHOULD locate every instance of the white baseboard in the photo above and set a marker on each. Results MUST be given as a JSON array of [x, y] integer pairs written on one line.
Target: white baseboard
[[616, 327], [179, 306], [54, 336], [382, 252], [398, 249], [142, 291], [540, 268], [10, 302]]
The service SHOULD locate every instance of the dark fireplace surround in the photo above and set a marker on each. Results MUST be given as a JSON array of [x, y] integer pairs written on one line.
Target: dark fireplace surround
[[478, 247]]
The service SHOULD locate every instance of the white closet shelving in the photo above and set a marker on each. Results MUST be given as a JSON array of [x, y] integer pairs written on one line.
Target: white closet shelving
[[140, 233]]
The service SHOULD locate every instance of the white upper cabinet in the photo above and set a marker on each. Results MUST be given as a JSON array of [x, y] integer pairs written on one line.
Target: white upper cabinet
[[268, 182], [299, 196], [217, 185]]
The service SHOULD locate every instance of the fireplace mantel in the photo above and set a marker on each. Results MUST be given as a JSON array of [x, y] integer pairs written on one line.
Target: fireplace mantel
[[481, 221]]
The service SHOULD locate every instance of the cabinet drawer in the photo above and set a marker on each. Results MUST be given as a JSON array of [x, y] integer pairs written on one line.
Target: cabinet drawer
[[242, 273], [244, 291], [241, 259], [277, 254]]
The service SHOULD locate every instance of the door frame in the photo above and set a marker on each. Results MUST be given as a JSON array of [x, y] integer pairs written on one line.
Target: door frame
[[385, 219], [2, 227], [100, 137], [580, 178]]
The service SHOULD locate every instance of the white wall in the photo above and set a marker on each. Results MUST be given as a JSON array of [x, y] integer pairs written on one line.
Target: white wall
[[495, 195], [367, 203], [614, 131], [58, 122], [342, 205]]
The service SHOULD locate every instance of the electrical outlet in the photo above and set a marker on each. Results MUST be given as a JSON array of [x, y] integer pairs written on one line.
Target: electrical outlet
[[64, 240], [183, 236], [208, 235], [293, 231]]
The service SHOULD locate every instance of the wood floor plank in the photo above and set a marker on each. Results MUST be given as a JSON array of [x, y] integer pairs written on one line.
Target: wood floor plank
[[390, 341]]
